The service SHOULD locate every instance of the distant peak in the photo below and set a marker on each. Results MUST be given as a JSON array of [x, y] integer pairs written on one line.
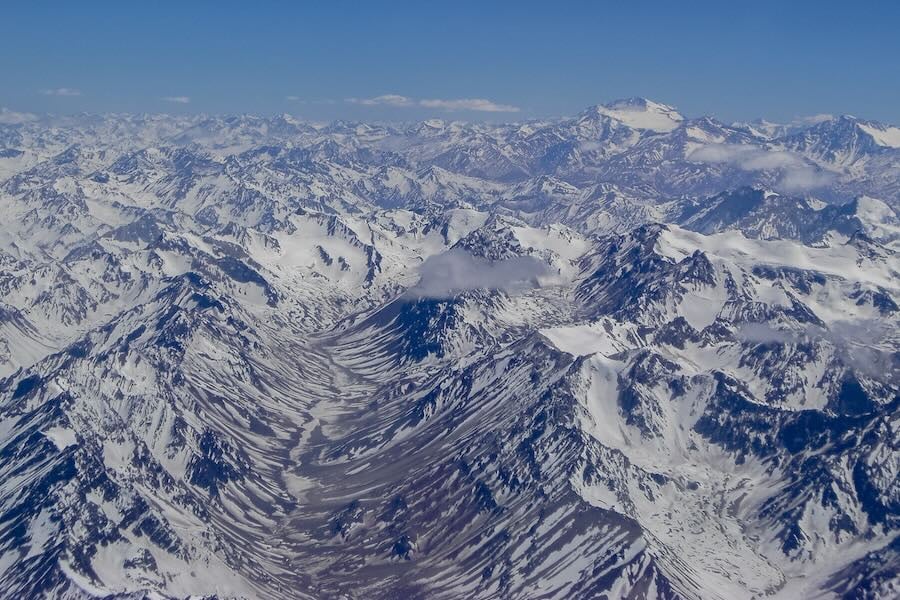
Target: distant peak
[[639, 113], [634, 103]]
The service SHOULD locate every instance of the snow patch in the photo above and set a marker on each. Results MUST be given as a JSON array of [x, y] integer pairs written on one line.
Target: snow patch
[[887, 136], [643, 114], [61, 437]]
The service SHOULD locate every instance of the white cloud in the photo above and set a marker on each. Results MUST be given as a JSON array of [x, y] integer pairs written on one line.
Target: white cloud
[[767, 161], [9, 117], [385, 100], [764, 333], [813, 119], [805, 178], [745, 157], [479, 104], [796, 173], [590, 146], [177, 99], [473, 104], [63, 91], [455, 271], [856, 343]]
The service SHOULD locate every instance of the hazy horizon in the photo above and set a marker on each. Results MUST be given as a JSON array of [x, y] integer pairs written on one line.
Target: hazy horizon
[[404, 61]]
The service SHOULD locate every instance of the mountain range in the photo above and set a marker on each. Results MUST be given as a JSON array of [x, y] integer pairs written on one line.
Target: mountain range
[[626, 354]]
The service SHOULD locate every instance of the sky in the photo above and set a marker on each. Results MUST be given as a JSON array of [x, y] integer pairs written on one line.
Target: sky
[[469, 60]]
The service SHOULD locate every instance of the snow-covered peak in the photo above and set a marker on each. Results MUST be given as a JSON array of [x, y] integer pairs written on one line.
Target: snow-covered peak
[[884, 135], [640, 113]]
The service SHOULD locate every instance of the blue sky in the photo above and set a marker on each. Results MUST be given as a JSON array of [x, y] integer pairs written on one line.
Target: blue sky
[[735, 60]]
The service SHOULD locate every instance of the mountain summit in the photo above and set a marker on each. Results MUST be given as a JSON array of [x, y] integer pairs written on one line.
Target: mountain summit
[[640, 113]]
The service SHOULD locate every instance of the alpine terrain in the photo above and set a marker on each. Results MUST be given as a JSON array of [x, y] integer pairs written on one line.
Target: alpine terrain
[[625, 354]]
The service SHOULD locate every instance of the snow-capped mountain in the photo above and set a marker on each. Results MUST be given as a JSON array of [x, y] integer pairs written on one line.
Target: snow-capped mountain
[[623, 354]]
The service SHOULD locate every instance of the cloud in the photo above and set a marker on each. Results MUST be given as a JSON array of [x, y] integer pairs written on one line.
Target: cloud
[[763, 333], [746, 157], [63, 91], [385, 100], [177, 99], [855, 343], [479, 104], [590, 146], [455, 271], [9, 117], [796, 173], [813, 119], [807, 178], [473, 104]]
